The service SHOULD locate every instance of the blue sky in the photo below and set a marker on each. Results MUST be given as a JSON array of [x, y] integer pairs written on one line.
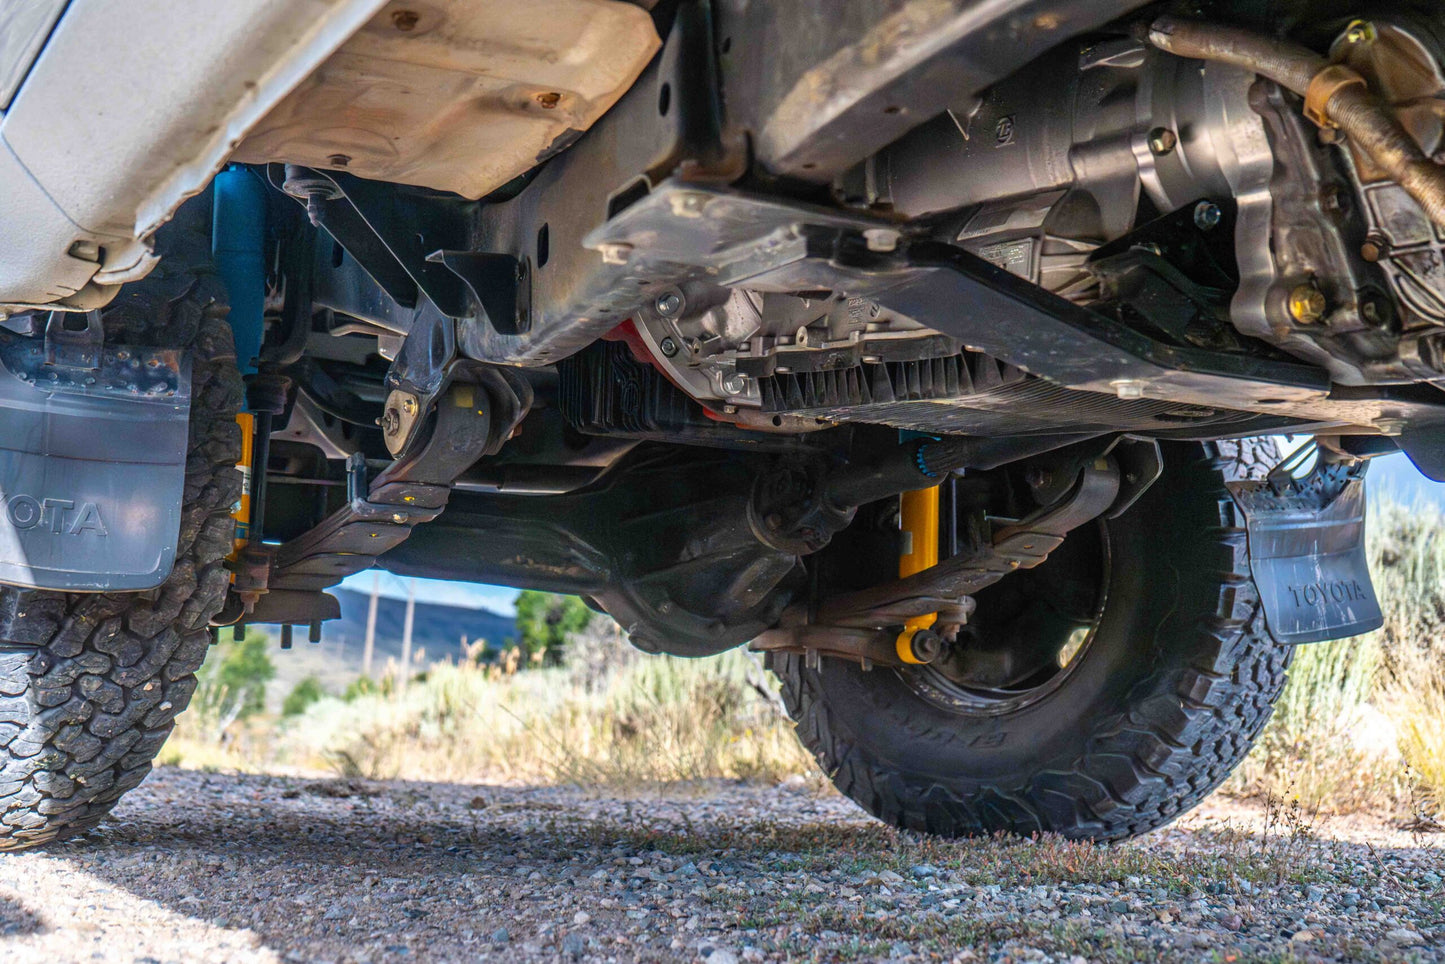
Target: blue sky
[[1391, 475], [499, 599]]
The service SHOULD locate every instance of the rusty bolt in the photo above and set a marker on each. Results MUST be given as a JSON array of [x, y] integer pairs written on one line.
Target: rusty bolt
[[405, 20], [549, 100], [1162, 141], [1307, 304], [1372, 250]]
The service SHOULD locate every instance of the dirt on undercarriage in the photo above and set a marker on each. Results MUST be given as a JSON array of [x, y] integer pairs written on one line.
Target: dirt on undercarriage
[[198, 866]]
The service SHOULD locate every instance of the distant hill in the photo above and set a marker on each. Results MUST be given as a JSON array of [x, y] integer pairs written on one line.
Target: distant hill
[[437, 633], [436, 628]]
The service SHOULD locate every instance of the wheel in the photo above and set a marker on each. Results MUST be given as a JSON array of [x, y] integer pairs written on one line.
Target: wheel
[[1097, 696], [90, 683]]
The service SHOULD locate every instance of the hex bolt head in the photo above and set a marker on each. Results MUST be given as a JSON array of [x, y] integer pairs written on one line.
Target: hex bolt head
[[668, 304], [1128, 389], [1307, 304], [882, 240], [734, 383], [408, 405], [668, 346], [1207, 215], [926, 645], [1162, 141]]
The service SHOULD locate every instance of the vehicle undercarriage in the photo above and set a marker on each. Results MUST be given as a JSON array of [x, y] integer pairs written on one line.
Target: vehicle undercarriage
[[851, 331]]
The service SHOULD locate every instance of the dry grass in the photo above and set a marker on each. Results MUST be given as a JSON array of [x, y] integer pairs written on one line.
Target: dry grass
[[1359, 724], [610, 718], [1358, 727]]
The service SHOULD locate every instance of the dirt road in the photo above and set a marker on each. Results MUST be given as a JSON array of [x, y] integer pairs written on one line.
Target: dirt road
[[203, 867]]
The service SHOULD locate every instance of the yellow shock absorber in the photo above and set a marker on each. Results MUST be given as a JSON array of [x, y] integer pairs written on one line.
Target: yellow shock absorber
[[242, 510], [918, 518]]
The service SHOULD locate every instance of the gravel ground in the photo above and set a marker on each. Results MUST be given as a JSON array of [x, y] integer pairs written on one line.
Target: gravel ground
[[207, 867]]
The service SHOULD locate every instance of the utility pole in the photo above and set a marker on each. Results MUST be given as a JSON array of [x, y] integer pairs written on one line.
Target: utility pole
[[406, 632], [370, 647]]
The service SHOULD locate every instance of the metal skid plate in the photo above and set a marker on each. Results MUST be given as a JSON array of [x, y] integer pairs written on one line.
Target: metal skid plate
[[1307, 554], [92, 466]]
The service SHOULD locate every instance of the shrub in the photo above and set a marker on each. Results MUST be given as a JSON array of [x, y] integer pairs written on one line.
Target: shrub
[[302, 695]]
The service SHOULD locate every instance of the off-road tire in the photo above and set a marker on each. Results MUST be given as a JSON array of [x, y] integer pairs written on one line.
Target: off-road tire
[[1167, 698], [90, 683]]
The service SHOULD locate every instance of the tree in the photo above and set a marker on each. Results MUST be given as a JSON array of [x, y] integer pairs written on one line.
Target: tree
[[545, 620], [302, 695]]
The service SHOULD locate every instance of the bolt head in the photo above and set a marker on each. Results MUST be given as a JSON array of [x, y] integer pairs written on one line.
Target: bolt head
[[614, 252], [408, 406], [881, 239], [1162, 141], [1207, 215], [927, 645], [1307, 304], [668, 346], [1128, 388], [689, 204], [668, 304], [734, 383]]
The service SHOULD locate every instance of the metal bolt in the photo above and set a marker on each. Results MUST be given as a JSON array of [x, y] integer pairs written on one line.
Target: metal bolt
[[614, 252], [1207, 215], [668, 304], [549, 100], [1128, 388], [881, 239], [399, 518], [339, 160], [1373, 250], [1162, 141], [734, 383], [689, 204], [1307, 304], [926, 645], [408, 405], [668, 346]]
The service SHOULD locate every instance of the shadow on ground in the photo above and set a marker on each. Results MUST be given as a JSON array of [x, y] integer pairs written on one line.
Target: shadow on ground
[[351, 871]]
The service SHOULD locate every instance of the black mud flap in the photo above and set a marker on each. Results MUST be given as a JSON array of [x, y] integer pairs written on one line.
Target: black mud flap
[[92, 462], [1307, 553]]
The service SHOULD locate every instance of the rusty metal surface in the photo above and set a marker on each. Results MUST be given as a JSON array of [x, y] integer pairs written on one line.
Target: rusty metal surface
[[459, 95]]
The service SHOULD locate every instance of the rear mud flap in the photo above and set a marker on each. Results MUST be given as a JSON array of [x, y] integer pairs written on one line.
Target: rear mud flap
[[92, 465], [1307, 553]]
